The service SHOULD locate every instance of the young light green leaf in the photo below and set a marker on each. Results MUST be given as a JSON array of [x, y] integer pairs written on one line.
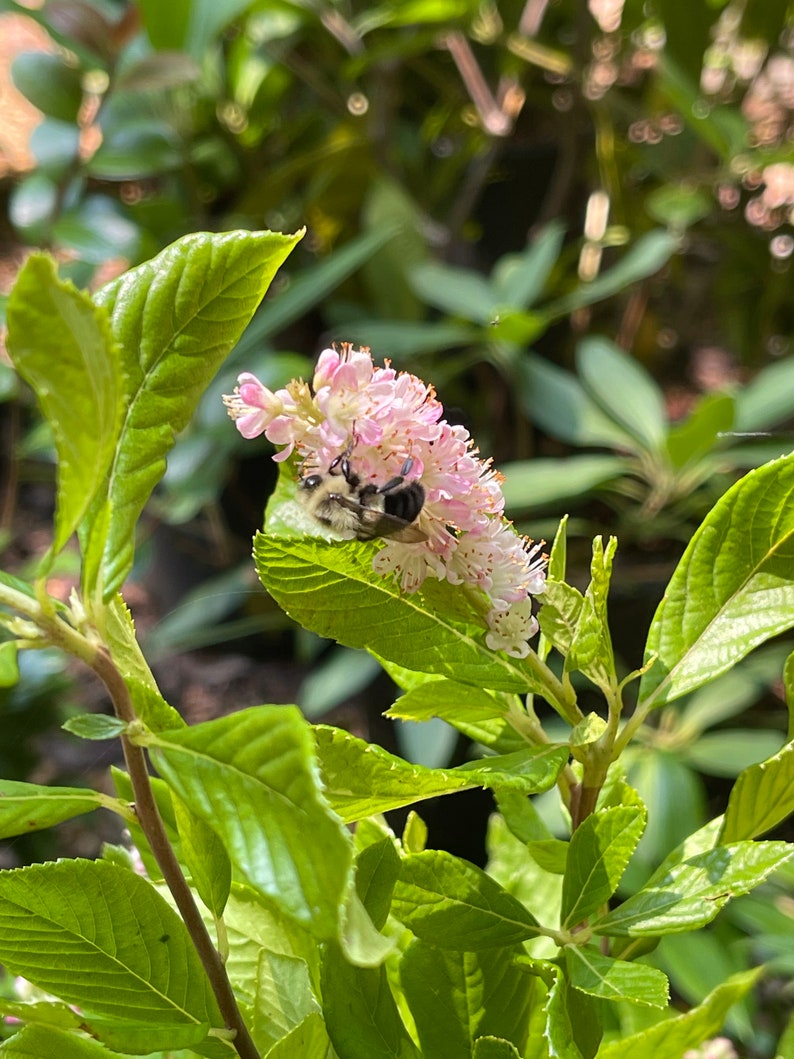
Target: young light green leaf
[[377, 869], [284, 998], [551, 1029], [456, 997], [9, 664], [51, 323], [670, 1038], [28, 807], [95, 726], [175, 318], [361, 1016], [689, 894], [761, 798], [331, 589], [309, 1039], [43, 1012], [600, 849], [600, 976], [252, 777], [590, 650], [454, 905], [624, 389], [100, 936], [732, 590], [205, 858], [479, 714], [361, 779]]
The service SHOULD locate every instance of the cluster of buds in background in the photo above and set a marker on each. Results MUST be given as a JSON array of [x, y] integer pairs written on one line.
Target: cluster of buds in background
[[384, 419]]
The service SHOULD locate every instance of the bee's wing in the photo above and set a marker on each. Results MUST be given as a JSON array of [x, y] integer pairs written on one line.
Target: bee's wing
[[374, 523]]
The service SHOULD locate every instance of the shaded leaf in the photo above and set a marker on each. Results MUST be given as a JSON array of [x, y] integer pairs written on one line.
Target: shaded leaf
[[28, 807]]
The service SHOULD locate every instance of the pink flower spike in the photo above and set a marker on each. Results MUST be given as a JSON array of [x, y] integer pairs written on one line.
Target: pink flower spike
[[252, 406]]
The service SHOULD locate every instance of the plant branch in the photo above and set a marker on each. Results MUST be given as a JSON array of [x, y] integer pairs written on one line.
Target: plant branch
[[152, 826]]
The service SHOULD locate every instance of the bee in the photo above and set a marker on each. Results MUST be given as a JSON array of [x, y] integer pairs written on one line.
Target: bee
[[338, 499]]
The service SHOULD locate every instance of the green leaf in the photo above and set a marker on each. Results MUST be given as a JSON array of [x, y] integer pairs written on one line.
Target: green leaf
[[284, 998], [518, 279], [28, 807], [624, 390], [44, 1013], [95, 726], [361, 779], [205, 857], [697, 436], [672, 1037], [531, 484], [599, 851], [252, 778], [732, 590], [454, 905], [456, 997], [456, 291], [649, 254], [50, 83], [728, 753], [689, 894], [494, 1048], [767, 400], [361, 1016], [479, 714], [41, 1042], [99, 936], [590, 650], [556, 401], [50, 322], [601, 976], [9, 664], [309, 1039], [678, 206], [331, 589], [761, 798], [175, 317], [377, 869]]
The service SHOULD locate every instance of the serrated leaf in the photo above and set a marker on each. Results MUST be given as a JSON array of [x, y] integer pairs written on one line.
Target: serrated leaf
[[45, 1013], [361, 779], [761, 798], [284, 998], [331, 589], [100, 936], [51, 323], [454, 905], [608, 979], [732, 590], [479, 714], [309, 1039], [95, 726], [456, 997], [672, 1037], [494, 1048], [40, 1042], [205, 857], [28, 807], [361, 1015], [624, 389], [599, 851], [377, 869], [175, 318], [689, 894], [252, 778]]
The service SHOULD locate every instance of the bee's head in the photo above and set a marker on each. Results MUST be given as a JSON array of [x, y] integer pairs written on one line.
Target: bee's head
[[311, 482]]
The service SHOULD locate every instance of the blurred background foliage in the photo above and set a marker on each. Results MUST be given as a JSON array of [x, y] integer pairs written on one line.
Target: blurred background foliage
[[574, 218]]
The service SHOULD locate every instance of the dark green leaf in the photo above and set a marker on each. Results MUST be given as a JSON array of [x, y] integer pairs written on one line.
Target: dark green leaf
[[697, 436], [50, 83], [205, 858]]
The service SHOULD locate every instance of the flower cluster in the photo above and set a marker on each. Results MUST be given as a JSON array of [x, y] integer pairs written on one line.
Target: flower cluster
[[387, 420]]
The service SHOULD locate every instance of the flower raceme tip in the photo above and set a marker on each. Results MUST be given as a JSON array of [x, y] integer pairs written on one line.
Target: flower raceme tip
[[385, 430]]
